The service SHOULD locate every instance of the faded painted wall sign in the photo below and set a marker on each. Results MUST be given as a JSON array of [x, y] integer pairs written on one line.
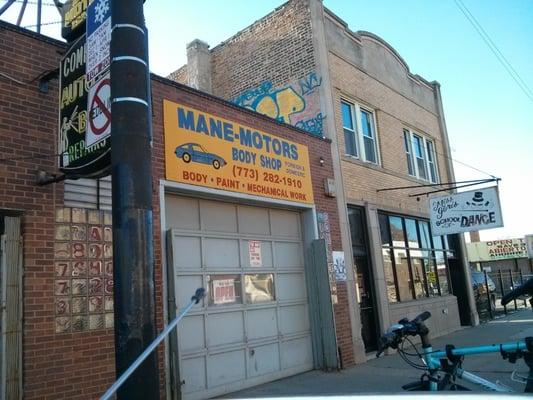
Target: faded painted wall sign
[[254, 250], [76, 158], [207, 150], [83, 270], [297, 104], [467, 211]]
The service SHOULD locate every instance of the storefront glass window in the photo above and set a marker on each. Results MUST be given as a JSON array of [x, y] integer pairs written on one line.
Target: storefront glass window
[[402, 274], [396, 228], [389, 276], [418, 276], [442, 272], [419, 267], [412, 236]]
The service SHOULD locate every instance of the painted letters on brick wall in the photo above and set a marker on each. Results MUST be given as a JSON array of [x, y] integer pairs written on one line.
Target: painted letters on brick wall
[[207, 150], [297, 104]]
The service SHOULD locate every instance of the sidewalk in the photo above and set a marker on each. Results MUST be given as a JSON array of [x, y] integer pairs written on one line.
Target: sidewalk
[[388, 374]]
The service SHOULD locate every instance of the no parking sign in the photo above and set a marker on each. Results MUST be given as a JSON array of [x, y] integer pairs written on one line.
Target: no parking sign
[[99, 112]]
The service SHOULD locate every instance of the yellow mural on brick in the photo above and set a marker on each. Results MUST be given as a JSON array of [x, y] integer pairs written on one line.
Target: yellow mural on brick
[[297, 104]]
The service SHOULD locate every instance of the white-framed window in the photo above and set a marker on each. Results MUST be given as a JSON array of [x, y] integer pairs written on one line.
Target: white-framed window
[[420, 154], [360, 138]]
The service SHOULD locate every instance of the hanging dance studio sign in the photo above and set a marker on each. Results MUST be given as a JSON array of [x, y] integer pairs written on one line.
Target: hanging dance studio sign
[[464, 212]]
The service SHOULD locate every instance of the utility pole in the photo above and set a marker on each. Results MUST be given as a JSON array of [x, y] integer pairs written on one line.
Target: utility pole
[[131, 164]]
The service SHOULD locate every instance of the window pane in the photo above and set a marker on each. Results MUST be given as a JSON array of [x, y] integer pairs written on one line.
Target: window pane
[[418, 277], [437, 242], [412, 236], [429, 147], [347, 116], [418, 148], [421, 164], [349, 142], [442, 272], [370, 149], [389, 276], [225, 290], [431, 276], [366, 123], [259, 288], [432, 172], [384, 230], [398, 238], [407, 146], [402, 273], [425, 242]]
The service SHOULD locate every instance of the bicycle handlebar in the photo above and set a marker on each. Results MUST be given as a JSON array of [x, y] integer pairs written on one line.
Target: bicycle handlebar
[[526, 288], [397, 332]]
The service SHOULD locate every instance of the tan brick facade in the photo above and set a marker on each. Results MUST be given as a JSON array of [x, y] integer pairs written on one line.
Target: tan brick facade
[[301, 40]]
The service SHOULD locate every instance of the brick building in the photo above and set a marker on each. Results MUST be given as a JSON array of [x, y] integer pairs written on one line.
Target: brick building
[[302, 65], [252, 240]]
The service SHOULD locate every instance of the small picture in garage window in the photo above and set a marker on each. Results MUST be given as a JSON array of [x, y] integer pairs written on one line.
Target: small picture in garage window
[[259, 288], [224, 290]]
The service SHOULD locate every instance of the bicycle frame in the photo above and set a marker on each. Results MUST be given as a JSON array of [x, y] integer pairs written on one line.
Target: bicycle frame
[[432, 360]]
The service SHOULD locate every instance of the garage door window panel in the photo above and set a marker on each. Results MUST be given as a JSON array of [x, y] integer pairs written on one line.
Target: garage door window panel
[[259, 288], [224, 290]]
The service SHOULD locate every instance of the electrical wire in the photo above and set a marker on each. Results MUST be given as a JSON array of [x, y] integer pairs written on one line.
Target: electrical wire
[[495, 50], [34, 2], [42, 24]]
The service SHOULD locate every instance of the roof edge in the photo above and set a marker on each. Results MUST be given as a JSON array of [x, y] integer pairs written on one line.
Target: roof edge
[[34, 35]]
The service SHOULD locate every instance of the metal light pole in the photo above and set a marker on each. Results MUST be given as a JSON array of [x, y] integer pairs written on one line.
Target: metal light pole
[[133, 254]]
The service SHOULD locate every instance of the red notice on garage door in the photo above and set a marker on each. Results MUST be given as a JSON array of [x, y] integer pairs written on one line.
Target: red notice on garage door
[[223, 291]]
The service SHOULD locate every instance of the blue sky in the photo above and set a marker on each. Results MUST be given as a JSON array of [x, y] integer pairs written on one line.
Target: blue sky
[[489, 119]]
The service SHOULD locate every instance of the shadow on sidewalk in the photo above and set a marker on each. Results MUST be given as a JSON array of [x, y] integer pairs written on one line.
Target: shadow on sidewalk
[[388, 374]]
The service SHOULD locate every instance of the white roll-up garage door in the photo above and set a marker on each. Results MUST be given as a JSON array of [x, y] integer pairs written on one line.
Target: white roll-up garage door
[[253, 326]]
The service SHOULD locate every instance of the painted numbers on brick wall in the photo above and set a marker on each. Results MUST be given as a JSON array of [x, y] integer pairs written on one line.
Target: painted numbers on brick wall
[[297, 104], [83, 270]]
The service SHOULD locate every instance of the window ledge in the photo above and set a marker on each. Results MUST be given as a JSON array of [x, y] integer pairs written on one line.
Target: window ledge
[[426, 300], [358, 161]]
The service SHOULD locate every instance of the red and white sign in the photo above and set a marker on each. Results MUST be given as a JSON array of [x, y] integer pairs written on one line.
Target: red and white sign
[[223, 291], [254, 249], [99, 112]]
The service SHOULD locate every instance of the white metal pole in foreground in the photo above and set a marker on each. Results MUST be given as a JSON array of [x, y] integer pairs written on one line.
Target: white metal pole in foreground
[[200, 293]]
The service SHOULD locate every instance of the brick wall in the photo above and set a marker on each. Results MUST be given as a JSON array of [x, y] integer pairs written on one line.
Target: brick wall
[[394, 113], [180, 75], [56, 366], [81, 365]]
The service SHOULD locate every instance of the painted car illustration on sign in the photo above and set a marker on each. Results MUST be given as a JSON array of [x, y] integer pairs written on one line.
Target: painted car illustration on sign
[[194, 152]]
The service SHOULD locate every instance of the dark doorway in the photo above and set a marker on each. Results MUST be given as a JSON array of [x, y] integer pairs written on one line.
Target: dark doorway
[[363, 271]]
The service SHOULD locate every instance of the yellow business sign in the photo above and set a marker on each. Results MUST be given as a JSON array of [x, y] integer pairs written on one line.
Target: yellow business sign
[[206, 150]]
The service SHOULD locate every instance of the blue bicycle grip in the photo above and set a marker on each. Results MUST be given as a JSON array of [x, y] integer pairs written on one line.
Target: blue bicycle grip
[[199, 295]]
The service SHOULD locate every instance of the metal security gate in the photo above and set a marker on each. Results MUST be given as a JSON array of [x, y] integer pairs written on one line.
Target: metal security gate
[[253, 326], [10, 310]]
